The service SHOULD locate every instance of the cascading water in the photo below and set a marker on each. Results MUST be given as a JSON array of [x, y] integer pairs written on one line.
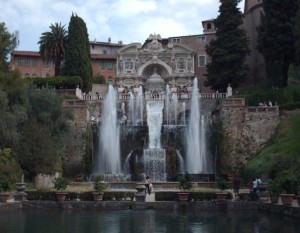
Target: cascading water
[[174, 99], [196, 155], [109, 137], [155, 156], [131, 109], [140, 105]]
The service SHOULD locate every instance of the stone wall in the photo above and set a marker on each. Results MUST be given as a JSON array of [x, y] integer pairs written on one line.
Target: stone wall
[[246, 130]]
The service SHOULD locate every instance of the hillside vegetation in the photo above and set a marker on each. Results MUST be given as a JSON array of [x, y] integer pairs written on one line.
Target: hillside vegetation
[[279, 160]]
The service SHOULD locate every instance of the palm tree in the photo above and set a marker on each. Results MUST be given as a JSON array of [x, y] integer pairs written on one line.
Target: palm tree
[[53, 45]]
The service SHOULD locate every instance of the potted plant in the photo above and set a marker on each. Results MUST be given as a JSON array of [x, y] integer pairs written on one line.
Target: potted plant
[[60, 184], [5, 187], [274, 187], [99, 187], [222, 184], [185, 185]]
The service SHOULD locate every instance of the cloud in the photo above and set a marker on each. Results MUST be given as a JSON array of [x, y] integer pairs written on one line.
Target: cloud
[[127, 20]]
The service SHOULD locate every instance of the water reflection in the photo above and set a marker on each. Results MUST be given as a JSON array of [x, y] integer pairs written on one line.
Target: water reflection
[[55, 221]]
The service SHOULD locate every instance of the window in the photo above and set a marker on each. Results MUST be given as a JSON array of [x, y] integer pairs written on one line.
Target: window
[[20, 61], [176, 40], [34, 62], [208, 26], [102, 66], [34, 75], [201, 39], [27, 62], [27, 75], [109, 66], [47, 75], [202, 61], [104, 51]]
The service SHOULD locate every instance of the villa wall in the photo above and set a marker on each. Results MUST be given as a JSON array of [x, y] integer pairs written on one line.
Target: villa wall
[[246, 130]]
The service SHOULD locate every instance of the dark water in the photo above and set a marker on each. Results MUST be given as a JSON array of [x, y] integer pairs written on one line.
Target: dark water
[[134, 221]]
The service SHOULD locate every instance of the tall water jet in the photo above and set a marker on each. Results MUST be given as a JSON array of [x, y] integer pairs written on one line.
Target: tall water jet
[[131, 108], [195, 158], [123, 109], [174, 99], [140, 105], [109, 137], [167, 103]]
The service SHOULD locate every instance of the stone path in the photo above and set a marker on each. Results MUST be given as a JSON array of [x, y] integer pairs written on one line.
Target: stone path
[[150, 198]]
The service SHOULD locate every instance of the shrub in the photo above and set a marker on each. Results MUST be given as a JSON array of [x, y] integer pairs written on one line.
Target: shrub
[[5, 184], [60, 183], [185, 182], [99, 185]]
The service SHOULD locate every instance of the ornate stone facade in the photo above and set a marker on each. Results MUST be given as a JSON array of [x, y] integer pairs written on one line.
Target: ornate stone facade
[[154, 65]]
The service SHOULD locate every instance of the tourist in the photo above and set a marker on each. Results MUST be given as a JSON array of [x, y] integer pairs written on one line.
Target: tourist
[[270, 103], [256, 182], [148, 185], [236, 186]]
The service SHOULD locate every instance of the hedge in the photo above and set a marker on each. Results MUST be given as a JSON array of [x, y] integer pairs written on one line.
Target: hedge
[[57, 82]]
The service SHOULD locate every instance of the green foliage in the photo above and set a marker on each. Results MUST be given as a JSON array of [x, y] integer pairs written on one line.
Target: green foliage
[[58, 82], [99, 79], [9, 167], [276, 38], [222, 183], [279, 160], [9, 41], [185, 182], [5, 184], [229, 51], [53, 45], [60, 183], [77, 56], [99, 185], [43, 134], [281, 96]]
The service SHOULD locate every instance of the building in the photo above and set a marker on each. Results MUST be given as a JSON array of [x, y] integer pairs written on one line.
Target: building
[[105, 55]]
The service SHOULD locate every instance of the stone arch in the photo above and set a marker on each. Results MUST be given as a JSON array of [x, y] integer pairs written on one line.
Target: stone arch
[[146, 70]]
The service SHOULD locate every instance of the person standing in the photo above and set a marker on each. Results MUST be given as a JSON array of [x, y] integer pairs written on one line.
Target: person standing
[[148, 185]]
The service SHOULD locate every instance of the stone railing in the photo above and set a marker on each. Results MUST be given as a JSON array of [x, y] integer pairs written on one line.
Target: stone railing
[[263, 109]]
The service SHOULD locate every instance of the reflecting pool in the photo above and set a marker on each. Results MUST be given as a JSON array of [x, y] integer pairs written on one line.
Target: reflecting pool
[[138, 221]]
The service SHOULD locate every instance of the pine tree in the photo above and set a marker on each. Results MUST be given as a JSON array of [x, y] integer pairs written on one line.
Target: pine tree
[[78, 56], [276, 38], [229, 50]]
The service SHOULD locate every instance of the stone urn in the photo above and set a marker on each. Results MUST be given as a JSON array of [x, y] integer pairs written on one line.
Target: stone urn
[[287, 199], [183, 196], [298, 199], [61, 196], [140, 195], [20, 187], [274, 198], [4, 197], [98, 196]]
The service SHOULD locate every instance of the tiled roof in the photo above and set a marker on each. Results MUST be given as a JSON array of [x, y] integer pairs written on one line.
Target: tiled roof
[[26, 53]]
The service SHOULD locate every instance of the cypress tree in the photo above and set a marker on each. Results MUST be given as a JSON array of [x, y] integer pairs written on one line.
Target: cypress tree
[[276, 38], [229, 50], [297, 33], [78, 56]]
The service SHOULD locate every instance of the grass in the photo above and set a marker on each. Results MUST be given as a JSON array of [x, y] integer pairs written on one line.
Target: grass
[[281, 153]]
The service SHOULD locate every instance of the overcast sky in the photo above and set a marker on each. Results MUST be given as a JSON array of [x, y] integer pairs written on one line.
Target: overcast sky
[[126, 20]]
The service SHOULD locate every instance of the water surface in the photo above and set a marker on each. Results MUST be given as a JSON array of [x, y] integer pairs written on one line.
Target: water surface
[[144, 221]]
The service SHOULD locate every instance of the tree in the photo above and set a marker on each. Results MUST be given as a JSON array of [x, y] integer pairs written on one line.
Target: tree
[[276, 38], [229, 50], [297, 33], [41, 148], [8, 42], [78, 57], [53, 45]]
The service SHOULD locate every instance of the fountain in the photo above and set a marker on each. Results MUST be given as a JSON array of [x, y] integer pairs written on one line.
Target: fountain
[[108, 159], [157, 149]]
